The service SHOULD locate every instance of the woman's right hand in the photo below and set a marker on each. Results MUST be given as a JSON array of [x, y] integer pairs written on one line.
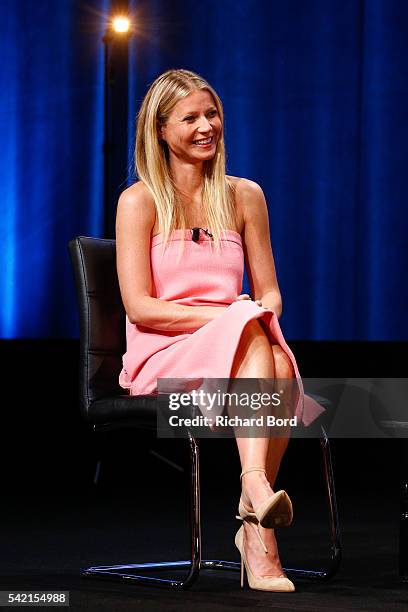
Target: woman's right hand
[[246, 296]]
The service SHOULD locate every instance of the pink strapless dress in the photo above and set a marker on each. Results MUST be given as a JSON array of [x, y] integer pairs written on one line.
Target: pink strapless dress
[[200, 278]]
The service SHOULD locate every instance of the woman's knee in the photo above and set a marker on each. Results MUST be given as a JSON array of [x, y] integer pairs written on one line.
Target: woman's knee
[[252, 330], [253, 356], [283, 364], [254, 340]]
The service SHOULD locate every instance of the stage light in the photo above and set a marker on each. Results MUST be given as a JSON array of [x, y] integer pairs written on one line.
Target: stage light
[[121, 24]]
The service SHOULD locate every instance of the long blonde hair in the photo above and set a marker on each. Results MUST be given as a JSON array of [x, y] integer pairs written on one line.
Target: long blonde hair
[[151, 157]]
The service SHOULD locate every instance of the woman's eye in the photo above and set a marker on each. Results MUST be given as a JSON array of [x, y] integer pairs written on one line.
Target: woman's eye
[[189, 118], [212, 113]]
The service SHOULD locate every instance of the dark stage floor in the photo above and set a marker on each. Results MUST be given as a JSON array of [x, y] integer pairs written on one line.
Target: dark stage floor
[[55, 521], [45, 542]]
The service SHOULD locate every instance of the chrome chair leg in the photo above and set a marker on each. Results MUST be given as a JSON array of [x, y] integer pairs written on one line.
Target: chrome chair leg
[[403, 525], [97, 472], [335, 538], [130, 572]]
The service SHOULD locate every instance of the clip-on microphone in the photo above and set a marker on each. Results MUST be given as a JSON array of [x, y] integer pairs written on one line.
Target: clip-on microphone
[[195, 233]]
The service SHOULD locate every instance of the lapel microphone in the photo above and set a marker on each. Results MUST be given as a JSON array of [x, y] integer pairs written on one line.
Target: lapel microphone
[[195, 233]]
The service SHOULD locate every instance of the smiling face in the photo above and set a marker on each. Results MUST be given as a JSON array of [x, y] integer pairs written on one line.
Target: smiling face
[[193, 128]]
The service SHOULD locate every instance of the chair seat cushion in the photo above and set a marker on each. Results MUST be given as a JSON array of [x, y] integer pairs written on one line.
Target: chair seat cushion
[[121, 409]]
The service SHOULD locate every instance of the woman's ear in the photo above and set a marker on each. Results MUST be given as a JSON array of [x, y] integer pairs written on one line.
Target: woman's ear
[[160, 131]]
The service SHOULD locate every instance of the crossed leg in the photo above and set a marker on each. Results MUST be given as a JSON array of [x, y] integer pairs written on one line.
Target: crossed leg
[[257, 358]]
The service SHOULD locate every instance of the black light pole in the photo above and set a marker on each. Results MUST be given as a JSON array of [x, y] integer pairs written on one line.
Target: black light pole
[[117, 31], [107, 140]]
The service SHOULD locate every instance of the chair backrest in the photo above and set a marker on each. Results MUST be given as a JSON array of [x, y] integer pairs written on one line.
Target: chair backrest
[[102, 318]]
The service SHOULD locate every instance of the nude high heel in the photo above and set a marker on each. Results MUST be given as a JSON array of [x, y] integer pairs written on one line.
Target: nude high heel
[[279, 584], [276, 511]]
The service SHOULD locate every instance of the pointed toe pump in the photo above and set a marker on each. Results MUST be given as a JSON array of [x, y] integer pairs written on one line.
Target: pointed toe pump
[[277, 584], [276, 511]]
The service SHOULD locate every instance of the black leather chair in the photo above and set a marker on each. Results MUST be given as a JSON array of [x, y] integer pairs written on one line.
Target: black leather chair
[[105, 406]]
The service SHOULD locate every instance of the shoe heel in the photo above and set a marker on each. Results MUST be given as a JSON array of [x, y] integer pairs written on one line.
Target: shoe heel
[[242, 573]]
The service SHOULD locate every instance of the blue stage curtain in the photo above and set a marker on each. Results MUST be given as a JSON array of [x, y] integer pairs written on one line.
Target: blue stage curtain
[[315, 97], [51, 124]]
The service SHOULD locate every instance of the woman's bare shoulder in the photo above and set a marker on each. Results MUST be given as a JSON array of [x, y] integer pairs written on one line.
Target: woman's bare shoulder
[[137, 194], [137, 200], [249, 197], [244, 187]]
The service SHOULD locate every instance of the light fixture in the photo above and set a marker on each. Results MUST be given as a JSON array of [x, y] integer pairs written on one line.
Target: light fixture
[[121, 24]]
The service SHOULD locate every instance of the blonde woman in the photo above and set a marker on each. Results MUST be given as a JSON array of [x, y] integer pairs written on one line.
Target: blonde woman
[[181, 289]]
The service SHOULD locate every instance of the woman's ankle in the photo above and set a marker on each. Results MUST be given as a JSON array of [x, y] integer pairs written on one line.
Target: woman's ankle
[[255, 487]]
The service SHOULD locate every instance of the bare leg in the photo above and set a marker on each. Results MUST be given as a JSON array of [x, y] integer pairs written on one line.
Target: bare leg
[[256, 358], [276, 450], [277, 447]]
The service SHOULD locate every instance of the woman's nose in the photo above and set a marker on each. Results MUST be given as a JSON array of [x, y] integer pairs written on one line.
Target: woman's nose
[[204, 125]]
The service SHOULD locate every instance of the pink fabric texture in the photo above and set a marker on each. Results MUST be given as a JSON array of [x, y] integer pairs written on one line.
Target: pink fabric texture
[[201, 277]]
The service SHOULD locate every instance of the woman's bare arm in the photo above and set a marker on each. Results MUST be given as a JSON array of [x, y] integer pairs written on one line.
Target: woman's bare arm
[[134, 222], [257, 246]]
